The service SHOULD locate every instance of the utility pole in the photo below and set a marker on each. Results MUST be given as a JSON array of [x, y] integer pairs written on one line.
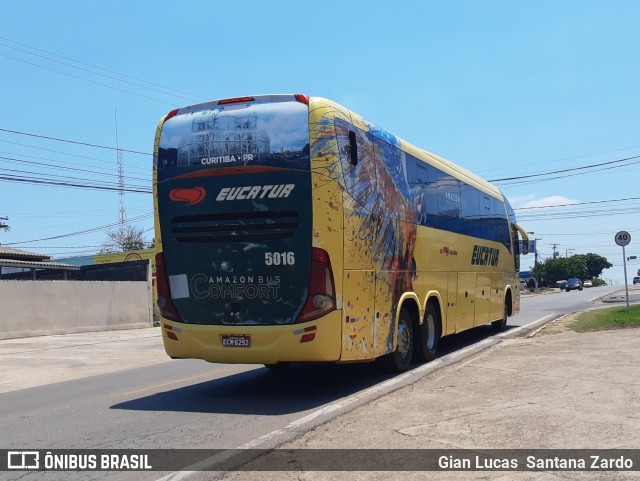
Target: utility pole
[[555, 250], [535, 256], [535, 251], [4, 226]]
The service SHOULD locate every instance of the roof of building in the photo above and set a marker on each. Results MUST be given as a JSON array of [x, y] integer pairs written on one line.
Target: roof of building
[[19, 254], [11, 257], [37, 265]]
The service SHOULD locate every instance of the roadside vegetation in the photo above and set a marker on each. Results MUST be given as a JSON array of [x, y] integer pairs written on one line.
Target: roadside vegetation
[[582, 266], [611, 318]]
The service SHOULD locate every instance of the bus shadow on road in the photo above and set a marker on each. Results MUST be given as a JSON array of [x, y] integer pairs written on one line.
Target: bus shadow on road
[[263, 392]]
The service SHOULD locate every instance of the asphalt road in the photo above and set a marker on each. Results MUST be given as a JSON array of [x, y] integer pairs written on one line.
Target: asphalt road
[[558, 303], [193, 404]]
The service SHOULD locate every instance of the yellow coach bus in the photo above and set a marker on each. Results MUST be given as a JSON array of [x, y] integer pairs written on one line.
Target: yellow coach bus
[[289, 229]]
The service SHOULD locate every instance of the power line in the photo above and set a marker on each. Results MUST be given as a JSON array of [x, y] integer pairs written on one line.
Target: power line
[[90, 71], [85, 231], [578, 203], [61, 167], [561, 159], [129, 166], [70, 213], [577, 215], [67, 247], [58, 177], [560, 171], [27, 180], [97, 68], [86, 80], [72, 141]]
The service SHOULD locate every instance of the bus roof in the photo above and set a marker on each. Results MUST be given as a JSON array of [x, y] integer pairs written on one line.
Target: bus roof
[[441, 163]]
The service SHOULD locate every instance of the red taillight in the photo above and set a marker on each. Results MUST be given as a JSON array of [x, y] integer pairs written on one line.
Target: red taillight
[[167, 309], [173, 113], [321, 298], [302, 98], [172, 335], [235, 100]]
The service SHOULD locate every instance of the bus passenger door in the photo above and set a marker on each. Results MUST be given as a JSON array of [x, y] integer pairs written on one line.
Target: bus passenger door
[[465, 300], [483, 299]]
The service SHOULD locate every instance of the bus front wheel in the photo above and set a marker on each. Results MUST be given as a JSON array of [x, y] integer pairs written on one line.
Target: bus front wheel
[[400, 359]]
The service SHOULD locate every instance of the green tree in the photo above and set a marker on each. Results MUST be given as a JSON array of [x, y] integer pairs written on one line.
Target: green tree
[[595, 265], [583, 266]]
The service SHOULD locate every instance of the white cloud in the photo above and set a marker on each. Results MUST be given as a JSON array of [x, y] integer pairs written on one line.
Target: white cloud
[[520, 200], [546, 201]]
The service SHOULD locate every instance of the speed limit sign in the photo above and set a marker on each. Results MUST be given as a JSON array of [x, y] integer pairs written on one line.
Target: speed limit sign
[[623, 238]]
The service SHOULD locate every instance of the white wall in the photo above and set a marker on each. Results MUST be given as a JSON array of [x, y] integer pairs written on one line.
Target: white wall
[[40, 308]]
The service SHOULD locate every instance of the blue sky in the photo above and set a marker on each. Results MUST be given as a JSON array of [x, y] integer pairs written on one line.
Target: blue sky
[[503, 88]]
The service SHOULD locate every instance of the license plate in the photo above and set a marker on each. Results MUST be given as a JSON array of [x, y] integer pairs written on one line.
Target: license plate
[[236, 340]]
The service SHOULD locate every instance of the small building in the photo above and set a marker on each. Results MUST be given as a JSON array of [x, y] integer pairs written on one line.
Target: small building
[[16, 260]]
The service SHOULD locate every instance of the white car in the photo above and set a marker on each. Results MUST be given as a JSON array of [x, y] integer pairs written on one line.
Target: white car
[[587, 283]]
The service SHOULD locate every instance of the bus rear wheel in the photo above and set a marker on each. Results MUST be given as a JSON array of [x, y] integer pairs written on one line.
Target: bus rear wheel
[[428, 335], [501, 324], [400, 359], [280, 367]]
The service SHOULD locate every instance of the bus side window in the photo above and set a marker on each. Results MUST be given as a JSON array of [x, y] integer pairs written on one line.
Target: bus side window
[[422, 181], [358, 168], [353, 148], [502, 224]]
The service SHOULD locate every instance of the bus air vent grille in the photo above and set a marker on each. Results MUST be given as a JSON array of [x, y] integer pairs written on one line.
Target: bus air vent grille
[[226, 227]]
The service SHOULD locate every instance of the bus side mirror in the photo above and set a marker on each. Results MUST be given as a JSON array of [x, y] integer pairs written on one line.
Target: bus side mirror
[[523, 247], [353, 148]]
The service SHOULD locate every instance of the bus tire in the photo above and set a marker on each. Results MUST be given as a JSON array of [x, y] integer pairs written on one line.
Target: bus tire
[[428, 336], [400, 359], [280, 367], [501, 324]]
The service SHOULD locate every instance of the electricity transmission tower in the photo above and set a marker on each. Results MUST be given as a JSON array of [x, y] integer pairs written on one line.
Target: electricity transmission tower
[[123, 213]]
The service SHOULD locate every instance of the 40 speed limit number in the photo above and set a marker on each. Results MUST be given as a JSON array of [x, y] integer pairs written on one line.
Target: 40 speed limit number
[[279, 258], [623, 238]]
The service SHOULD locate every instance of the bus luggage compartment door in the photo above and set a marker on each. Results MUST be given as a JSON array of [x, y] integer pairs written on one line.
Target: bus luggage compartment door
[[466, 296], [358, 315]]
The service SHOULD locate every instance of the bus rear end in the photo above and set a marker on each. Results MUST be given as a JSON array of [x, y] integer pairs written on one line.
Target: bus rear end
[[238, 278]]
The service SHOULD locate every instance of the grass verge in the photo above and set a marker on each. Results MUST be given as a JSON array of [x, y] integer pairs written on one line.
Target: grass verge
[[612, 318]]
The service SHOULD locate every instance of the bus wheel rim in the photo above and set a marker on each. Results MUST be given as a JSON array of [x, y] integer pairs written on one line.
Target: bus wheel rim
[[404, 338], [431, 337]]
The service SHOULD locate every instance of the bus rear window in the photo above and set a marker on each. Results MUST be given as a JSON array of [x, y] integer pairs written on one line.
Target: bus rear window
[[273, 134]]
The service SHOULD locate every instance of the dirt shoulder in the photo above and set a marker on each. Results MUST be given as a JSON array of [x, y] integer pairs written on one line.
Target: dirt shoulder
[[559, 325]]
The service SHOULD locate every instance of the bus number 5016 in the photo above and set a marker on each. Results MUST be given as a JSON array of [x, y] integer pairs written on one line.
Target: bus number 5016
[[279, 258]]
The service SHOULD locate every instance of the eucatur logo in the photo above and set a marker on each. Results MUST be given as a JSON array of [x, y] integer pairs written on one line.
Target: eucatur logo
[[192, 196]]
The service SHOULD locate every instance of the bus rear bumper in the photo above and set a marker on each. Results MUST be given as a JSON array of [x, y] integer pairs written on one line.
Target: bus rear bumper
[[315, 341]]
